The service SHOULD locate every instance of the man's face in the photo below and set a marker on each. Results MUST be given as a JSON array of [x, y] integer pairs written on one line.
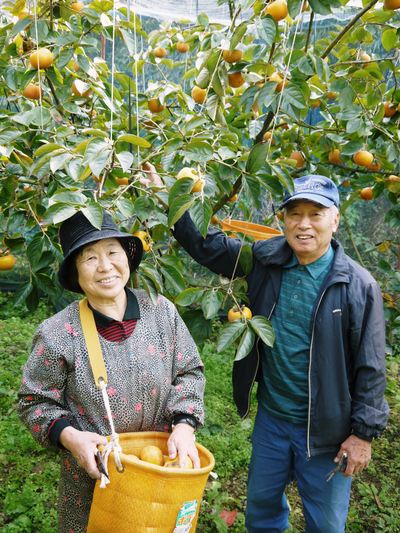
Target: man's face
[[309, 228]]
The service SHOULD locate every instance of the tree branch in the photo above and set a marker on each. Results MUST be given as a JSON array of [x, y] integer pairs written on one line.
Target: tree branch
[[347, 28], [310, 23]]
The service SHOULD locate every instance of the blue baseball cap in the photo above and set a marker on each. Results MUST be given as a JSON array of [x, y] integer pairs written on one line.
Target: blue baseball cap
[[315, 188]]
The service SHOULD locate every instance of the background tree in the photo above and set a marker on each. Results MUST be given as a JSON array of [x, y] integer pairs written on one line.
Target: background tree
[[247, 107]]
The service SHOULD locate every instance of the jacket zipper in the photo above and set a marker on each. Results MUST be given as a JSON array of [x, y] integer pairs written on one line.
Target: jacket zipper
[[258, 364], [309, 376]]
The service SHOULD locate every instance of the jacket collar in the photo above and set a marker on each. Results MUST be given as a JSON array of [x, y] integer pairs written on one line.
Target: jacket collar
[[277, 252]]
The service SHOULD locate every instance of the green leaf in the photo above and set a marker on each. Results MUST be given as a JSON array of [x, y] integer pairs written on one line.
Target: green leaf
[[246, 344], [97, 155], [142, 207], [199, 327], [181, 186], [257, 158], [229, 333], [22, 294], [173, 277], [125, 160], [134, 139], [267, 95], [7, 136], [267, 30], [211, 303], [201, 215], [246, 258], [200, 151], [34, 249], [58, 213], [59, 161], [217, 85], [263, 328], [46, 148], [324, 7], [294, 7], [152, 273], [389, 39], [212, 106], [293, 95], [202, 19], [238, 34], [193, 123], [189, 296], [40, 116], [94, 213], [178, 206]]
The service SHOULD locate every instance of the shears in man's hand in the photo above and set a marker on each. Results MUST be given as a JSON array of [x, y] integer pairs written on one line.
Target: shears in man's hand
[[340, 467], [100, 465]]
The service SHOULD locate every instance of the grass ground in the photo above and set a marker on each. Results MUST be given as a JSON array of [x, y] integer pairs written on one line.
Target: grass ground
[[28, 474]]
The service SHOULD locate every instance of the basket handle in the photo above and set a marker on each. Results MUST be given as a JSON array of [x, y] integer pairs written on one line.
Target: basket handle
[[92, 343], [98, 366]]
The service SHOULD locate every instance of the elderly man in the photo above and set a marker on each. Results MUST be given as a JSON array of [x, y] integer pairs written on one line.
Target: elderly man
[[321, 386]]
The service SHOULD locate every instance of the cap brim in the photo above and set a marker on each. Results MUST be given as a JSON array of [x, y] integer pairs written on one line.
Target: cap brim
[[316, 198]]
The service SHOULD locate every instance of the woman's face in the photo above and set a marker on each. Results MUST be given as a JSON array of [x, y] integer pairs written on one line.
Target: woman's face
[[103, 270]]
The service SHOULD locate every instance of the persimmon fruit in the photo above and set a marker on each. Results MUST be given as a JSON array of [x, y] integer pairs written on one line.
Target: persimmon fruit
[[77, 6], [334, 157], [363, 158], [236, 79], [198, 94], [122, 181], [155, 105], [267, 137], [232, 56], [278, 10], [390, 109], [367, 193], [145, 238], [160, 52], [152, 454], [41, 58], [299, 158], [391, 4], [7, 262], [182, 47], [235, 314], [174, 463], [393, 184], [32, 91]]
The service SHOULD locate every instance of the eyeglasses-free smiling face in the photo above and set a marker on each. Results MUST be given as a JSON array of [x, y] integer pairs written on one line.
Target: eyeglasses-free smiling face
[[103, 271], [309, 228]]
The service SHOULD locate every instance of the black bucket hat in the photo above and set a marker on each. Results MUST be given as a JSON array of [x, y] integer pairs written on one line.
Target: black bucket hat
[[77, 231]]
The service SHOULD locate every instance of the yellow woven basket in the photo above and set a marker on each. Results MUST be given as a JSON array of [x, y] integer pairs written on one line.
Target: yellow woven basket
[[147, 498]]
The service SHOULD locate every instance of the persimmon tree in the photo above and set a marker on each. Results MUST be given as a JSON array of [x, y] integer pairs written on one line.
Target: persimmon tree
[[247, 107]]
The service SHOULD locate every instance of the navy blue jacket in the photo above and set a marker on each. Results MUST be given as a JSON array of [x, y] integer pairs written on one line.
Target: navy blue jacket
[[347, 354]]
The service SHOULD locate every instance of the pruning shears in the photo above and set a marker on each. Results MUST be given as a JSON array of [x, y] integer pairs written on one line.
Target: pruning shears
[[100, 464], [340, 467]]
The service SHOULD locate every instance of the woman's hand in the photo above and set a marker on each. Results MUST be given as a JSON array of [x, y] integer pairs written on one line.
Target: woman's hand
[[181, 441], [83, 447]]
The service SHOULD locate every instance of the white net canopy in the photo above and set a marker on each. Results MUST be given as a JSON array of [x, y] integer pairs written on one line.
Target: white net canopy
[[217, 11]]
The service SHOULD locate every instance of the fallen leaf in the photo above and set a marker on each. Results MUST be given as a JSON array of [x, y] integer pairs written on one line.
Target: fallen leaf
[[229, 516]]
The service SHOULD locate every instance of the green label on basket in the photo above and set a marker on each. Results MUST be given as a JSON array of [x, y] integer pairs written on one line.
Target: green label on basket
[[185, 517]]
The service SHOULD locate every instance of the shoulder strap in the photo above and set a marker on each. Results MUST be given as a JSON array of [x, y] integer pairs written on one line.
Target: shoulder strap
[[92, 343]]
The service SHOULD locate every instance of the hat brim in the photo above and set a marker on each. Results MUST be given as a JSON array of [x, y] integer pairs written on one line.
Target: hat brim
[[316, 198], [133, 249]]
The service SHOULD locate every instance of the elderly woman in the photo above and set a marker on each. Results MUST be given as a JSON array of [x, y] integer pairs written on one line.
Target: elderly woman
[[155, 374]]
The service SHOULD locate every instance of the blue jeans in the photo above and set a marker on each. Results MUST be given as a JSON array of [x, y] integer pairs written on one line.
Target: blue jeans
[[278, 457]]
